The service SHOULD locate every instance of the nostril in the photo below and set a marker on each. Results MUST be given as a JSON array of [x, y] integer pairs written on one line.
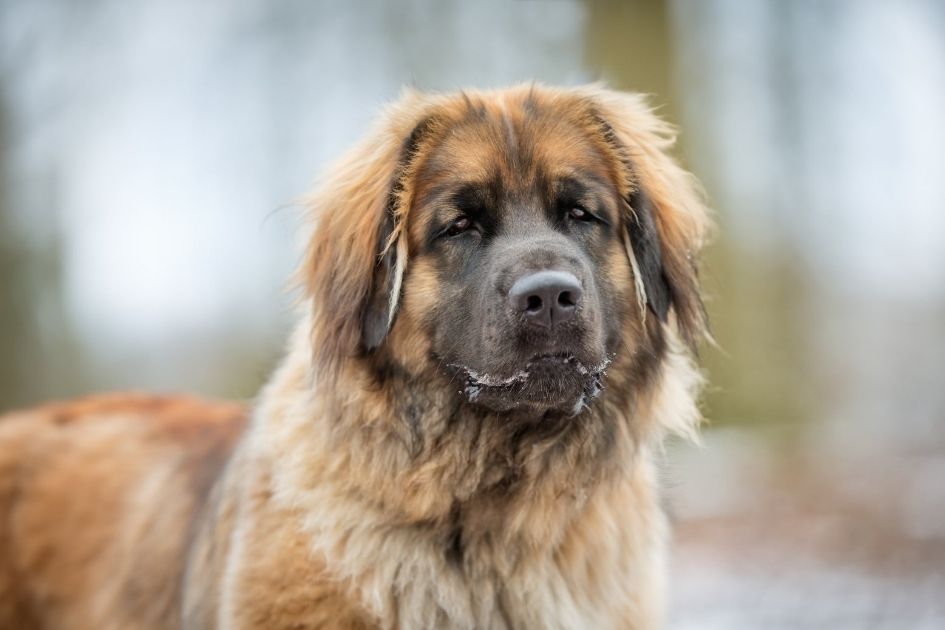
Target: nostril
[[533, 304], [566, 299]]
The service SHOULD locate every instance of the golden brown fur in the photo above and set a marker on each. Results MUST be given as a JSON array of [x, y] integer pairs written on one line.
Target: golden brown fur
[[96, 499], [360, 495]]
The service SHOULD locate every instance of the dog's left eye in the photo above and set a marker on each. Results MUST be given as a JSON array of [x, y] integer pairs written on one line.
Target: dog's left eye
[[579, 214]]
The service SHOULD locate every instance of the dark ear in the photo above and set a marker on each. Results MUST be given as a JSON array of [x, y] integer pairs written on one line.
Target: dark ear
[[381, 303], [645, 244], [380, 306], [357, 255], [666, 217]]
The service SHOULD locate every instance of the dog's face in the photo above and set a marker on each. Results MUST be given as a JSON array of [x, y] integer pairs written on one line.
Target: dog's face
[[515, 248], [516, 217]]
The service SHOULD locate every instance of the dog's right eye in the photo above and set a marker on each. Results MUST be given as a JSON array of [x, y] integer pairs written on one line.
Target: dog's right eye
[[460, 225]]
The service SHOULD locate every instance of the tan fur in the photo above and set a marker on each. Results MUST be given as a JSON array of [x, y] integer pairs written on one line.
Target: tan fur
[[96, 499], [330, 511]]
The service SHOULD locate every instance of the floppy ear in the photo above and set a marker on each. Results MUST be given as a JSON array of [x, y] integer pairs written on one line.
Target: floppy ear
[[379, 309], [646, 257], [666, 219], [356, 258]]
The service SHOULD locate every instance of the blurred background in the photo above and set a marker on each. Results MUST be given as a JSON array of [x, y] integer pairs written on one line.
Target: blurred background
[[152, 155]]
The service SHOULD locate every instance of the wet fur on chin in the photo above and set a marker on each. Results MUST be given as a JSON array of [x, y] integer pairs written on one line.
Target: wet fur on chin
[[367, 490]]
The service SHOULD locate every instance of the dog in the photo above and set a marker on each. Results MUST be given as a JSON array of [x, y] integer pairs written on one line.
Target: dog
[[498, 329]]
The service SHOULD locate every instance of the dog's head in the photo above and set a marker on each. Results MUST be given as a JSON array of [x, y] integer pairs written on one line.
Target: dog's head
[[515, 243]]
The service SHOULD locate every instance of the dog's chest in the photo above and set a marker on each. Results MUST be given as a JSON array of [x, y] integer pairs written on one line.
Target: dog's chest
[[423, 585]]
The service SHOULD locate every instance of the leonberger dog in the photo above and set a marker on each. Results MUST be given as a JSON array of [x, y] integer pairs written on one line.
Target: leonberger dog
[[499, 315]]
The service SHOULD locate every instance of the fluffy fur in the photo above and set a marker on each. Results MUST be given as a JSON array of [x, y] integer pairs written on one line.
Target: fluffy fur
[[365, 491]]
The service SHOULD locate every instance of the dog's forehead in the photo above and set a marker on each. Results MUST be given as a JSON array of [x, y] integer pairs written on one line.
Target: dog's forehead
[[513, 149], [514, 140]]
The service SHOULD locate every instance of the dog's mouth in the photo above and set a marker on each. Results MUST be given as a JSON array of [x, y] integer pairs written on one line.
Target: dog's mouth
[[546, 382]]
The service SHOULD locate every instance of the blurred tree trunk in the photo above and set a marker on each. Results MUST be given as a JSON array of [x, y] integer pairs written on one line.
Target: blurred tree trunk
[[629, 43], [17, 326], [39, 357]]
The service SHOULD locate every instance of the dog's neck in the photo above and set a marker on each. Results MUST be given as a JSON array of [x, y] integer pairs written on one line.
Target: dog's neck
[[421, 452], [438, 488]]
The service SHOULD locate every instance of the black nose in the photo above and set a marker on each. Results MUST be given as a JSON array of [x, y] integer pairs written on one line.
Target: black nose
[[546, 297]]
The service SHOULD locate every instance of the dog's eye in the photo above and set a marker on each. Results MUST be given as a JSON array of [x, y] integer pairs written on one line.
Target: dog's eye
[[460, 225], [579, 214]]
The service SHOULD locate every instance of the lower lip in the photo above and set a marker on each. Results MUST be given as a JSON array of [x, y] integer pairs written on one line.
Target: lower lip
[[562, 358]]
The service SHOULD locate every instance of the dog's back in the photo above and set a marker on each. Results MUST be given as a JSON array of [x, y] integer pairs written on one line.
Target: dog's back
[[97, 504]]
